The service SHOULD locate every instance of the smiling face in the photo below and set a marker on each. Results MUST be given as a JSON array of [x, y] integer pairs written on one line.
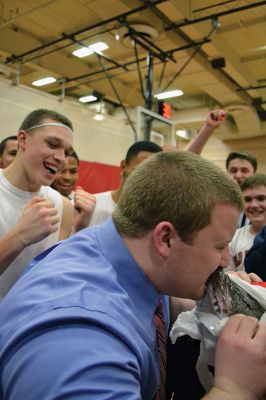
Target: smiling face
[[240, 169], [65, 180], [44, 151], [255, 206], [197, 261], [9, 153]]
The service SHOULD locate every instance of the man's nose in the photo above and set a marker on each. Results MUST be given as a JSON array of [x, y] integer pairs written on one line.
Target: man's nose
[[254, 203], [66, 176], [225, 257], [238, 173], [60, 155]]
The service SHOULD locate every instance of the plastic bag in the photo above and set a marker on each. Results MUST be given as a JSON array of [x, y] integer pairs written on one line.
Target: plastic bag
[[206, 327]]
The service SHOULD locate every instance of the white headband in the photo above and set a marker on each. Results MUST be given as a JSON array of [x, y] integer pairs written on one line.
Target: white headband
[[51, 124]]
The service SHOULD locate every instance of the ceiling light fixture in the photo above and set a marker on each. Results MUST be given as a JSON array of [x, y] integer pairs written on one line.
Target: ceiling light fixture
[[93, 48], [87, 99], [44, 81], [168, 95], [261, 48]]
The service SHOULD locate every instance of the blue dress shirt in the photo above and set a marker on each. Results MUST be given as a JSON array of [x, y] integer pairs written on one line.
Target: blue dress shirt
[[79, 324]]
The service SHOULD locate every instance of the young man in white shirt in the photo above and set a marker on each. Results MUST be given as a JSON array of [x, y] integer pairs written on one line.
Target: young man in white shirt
[[34, 216]]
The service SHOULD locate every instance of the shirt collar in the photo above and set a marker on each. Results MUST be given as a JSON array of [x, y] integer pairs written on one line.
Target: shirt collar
[[128, 271]]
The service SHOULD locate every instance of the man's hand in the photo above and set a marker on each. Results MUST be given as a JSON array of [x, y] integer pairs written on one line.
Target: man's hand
[[251, 277], [240, 362], [84, 204], [38, 220], [215, 118]]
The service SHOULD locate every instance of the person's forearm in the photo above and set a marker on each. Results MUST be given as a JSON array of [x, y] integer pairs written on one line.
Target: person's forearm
[[198, 142], [219, 394], [225, 389], [66, 227], [11, 245], [178, 305], [216, 394]]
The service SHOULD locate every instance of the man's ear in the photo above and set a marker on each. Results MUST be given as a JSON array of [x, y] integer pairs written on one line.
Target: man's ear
[[123, 167], [123, 164], [22, 136], [165, 238]]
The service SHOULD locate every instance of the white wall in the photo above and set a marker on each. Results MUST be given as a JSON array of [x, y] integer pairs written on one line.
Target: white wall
[[102, 141]]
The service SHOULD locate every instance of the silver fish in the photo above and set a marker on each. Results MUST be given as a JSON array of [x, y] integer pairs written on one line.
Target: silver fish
[[223, 297]]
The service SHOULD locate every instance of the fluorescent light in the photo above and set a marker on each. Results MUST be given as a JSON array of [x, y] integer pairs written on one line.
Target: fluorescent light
[[44, 81], [167, 95], [261, 48], [99, 46], [87, 99], [93, 48]]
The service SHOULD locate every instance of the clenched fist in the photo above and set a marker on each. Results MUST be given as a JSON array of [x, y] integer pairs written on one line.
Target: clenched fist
[[38, 220]]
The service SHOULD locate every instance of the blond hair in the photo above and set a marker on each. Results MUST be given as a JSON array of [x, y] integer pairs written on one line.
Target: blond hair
[[178, 187]]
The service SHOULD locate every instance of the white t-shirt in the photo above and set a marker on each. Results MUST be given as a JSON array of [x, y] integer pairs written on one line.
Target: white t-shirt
[[238, 247], [104, 207], [242, 220], [12, 203]]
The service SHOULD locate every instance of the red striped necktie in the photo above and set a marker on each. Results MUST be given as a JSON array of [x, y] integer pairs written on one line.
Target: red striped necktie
[[160, 334]]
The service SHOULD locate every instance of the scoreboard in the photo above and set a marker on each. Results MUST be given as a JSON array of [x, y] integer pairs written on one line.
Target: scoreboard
[[164, 109]]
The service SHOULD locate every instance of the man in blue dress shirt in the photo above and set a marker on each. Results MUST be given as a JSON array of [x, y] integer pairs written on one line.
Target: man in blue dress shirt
[[79, 324]]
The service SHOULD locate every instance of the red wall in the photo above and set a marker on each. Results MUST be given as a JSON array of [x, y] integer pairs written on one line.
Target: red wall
[[96, 177]]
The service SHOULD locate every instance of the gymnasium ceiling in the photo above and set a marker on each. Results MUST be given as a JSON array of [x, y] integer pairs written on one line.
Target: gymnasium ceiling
[[181, 41]]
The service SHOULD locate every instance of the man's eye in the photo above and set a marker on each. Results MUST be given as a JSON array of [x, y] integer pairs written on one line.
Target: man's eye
[[258, 198], [52, 145], [261, 198]]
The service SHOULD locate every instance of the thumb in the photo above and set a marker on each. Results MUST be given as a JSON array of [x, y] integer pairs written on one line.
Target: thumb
[[35, 200]]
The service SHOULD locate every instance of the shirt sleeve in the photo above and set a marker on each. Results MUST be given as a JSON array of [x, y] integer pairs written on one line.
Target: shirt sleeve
[[72, 361]]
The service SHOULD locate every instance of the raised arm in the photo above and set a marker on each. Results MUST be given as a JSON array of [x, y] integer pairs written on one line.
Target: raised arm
[[214, 119], [67, 219]]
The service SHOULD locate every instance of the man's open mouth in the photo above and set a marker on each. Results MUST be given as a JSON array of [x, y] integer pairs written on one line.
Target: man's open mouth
[[51, 168]]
